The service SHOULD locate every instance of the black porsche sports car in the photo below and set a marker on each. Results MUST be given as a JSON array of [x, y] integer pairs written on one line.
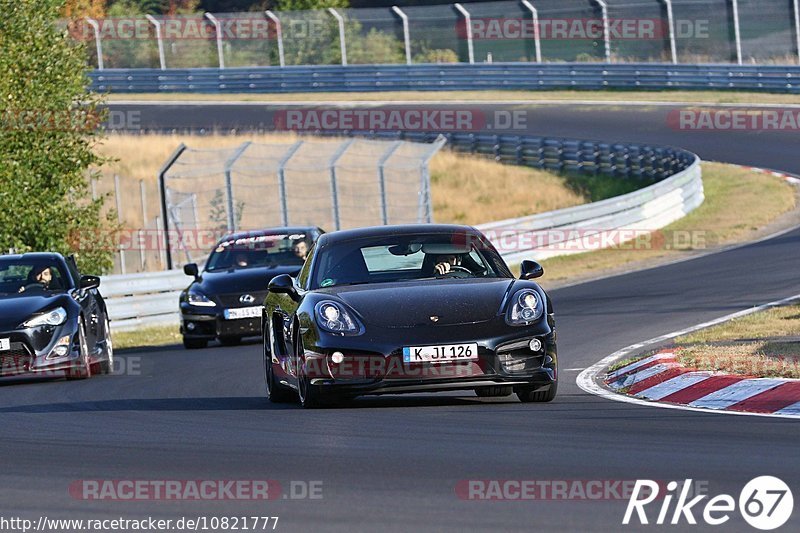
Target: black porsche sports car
[[224, 301], [53, 320], [417, 308]]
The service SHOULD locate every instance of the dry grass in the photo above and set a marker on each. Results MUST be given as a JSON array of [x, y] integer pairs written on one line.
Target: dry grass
[[718, 97], [781, 321], [738, 204], [465, 189], [472, 190], [760, 359]]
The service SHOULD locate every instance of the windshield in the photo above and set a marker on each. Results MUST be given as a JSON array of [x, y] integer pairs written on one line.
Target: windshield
[[260, 251], [401, 258], [30, 277]]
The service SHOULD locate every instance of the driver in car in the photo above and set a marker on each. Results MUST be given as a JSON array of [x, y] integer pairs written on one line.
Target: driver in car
[[445, 263], [38, 276]]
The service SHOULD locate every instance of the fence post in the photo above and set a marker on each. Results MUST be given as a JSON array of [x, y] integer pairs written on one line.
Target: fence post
[[406, 34], [118, 195], [143, 197], [98, 42], [382, 179], [161, 253], [468, 24], [537, 38], [736, 31], [673, 47], [162, 189], [218, 31], [282, 180], [229, 184], [159, 40], [797, 26], [425, 211], [342, 44], [606, 29], [334, 186], [278, 34]]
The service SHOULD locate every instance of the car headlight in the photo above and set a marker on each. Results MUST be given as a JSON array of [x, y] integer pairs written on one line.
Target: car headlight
[[526, 307], [54, 317], [200, 299], [333, 317]]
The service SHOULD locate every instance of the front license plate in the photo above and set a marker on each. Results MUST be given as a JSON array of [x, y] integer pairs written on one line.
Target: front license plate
[[5, 345], [243, 312], [440, 354]]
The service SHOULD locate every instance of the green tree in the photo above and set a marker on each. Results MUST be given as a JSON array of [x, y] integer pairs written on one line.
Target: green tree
[[48, 124]]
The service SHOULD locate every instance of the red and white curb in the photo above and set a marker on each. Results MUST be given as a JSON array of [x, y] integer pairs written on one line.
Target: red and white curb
[[662, 378], [660, 381], [794, 180]]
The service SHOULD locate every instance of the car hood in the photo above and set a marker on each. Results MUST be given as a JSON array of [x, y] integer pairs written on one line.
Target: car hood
[[412, 304], [15, 310], [242, 280]]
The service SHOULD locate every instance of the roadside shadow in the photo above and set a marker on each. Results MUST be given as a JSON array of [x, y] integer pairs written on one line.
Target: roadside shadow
[[246, 403], [242, 403]]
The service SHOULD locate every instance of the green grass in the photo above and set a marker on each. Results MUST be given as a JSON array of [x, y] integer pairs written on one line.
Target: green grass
[[144, 337]]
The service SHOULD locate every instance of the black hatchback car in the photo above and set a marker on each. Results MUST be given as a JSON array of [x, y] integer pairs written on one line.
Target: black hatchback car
[[224, 300], [53, 320]]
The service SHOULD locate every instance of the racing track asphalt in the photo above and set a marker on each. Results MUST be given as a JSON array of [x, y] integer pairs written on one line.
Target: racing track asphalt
[[392, 463]]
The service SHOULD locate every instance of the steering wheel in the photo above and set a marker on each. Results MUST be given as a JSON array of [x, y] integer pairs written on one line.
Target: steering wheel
[[31, 286], [457, 271]]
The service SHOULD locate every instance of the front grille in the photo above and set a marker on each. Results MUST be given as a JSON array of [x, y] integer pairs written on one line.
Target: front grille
[[15, 360], [232, 299]]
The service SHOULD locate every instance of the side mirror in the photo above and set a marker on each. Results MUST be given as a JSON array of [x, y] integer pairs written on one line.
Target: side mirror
[[282, 284], [190, 269], [530, 270], [89, 282]]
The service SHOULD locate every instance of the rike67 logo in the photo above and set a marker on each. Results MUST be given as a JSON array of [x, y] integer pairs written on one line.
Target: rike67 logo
[[765, 503]]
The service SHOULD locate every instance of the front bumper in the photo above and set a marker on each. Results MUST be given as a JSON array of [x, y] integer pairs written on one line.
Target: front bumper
[[31, 351], [504, 359], [205, 323]]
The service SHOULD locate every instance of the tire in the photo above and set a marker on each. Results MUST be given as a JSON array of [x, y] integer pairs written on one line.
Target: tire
[[230, 341], [84, 369], [107, 366], [309, 395], [527, 395], [194, 344], [276, 393], [494, 392]]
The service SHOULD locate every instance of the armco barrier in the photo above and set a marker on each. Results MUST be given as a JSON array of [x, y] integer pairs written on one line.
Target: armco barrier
[[152, 298], [450, 77]]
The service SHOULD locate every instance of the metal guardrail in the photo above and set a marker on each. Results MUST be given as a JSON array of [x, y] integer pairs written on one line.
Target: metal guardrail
[[450, 77], [647, 209], [152, 298]]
